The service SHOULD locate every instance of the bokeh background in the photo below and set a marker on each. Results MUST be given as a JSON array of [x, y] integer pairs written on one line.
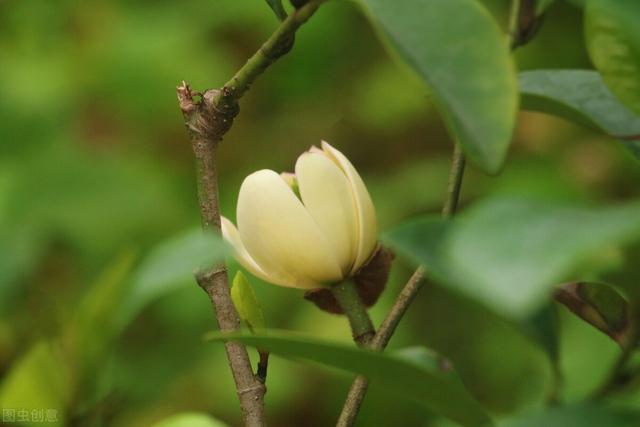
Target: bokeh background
[[96, 176]]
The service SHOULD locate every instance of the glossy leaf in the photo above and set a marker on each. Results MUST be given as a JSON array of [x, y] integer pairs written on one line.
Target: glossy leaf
[[278, 9], [436, 390], [582, 97], [509, 253], [613, 41], [472, 79], [246, 302], [599, 305]]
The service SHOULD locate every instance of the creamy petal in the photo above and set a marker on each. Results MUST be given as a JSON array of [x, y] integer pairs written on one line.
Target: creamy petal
[[231, 235], [327, 195], [280, 234], [367, 223]]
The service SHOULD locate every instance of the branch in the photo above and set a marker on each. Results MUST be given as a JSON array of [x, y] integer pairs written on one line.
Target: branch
[[359, 386], [208, 117]]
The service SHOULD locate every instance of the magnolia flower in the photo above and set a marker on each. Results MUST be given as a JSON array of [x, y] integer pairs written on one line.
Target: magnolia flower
[[306, 230]]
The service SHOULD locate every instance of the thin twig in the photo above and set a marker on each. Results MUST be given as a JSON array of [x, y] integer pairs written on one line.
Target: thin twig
[[208, 117], [358, 388], [380, 340]]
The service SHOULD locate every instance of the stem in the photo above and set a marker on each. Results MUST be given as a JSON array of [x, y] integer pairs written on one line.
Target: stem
[[208, 117], [358, 388], [359, 320], [380, 340], [456, 173]]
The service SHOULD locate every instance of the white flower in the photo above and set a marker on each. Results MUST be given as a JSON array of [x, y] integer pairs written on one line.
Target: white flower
[[317, 238]]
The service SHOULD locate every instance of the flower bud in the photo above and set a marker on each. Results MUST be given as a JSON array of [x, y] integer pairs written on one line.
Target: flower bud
[[307, 230]]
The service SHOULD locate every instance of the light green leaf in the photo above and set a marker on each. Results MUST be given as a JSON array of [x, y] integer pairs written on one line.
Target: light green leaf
[[472, 79], [509, 253], [190, 419], [577, 416], [247, 303], [613, 41], [276, 6], [436, 390], [39, 380], [582, 97], [171, 265]]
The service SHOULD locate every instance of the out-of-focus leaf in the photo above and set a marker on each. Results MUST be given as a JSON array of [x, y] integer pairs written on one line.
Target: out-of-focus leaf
[[40, 380], [276, 6], [582, 97], [190, 419], [247, 303], [436, 390], [95, 323], [577, 416], [509, 253], [599, 305], [473, 339], [613, 41], [421, 356], [542, 327], [542, 6], [171, 265], [472, 78]]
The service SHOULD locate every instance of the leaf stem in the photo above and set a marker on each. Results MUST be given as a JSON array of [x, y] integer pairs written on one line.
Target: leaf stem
[[359, 320], [358, 389], [382, 337]]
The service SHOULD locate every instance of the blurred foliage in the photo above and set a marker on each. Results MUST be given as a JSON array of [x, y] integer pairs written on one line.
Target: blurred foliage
[[97, 186]]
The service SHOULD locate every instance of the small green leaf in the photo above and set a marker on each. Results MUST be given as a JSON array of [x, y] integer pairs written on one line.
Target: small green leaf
[[190, 419], [577, 416], [246, 303], [278, 9], [472, 78], [599, 305], [613, 41], [510, 253], [582, 97], [436, 390]]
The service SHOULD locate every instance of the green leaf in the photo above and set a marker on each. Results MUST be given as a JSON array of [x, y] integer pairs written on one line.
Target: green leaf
[[247, 303], [542, 6], [599, 305], [473, 339], [509, 253], [582, 97], [613, 42], [278, 9], [190, 419], [472, 78], [171, 265], [577, 416], [436, 390], [40, 379]]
